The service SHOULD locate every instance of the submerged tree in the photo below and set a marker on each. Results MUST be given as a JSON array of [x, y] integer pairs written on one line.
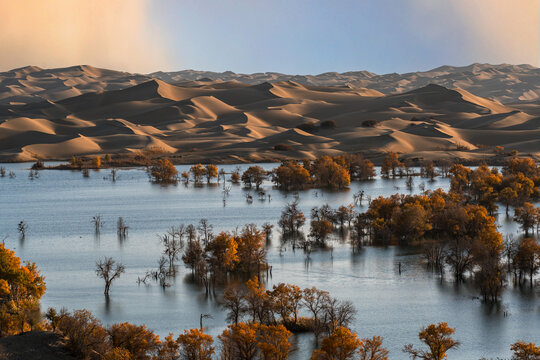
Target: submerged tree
[[254, 175], [438, 339], [121, 228], [292, 219], [163, 172], [98, 223], [109, 270], [342, 344], [22, 227]]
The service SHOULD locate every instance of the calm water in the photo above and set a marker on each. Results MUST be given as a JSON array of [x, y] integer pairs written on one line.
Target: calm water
[[58, 207]]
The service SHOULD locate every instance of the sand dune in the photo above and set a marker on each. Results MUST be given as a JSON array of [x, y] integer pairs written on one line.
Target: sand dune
[[199, 116]]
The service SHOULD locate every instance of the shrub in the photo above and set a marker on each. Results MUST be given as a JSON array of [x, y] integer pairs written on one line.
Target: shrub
[[328, 124], [369, 123], [283, 147], [308, 127]]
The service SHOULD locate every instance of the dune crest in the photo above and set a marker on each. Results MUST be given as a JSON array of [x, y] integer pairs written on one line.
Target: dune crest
[[201, 116]]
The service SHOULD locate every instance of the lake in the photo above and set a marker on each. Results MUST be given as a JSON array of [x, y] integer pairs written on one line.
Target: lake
[[59, 205]]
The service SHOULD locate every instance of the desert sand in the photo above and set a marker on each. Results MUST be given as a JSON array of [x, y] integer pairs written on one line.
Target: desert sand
[[192, 116]]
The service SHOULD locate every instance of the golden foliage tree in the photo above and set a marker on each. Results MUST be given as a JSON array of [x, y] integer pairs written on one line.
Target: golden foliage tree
[[84, 334], [372, 349], [196, 345], [222, 253], [273, 342], [291, 175], [163, 171], [527, 258], [141, 343], [342, 344], [198, 172], [96, 162], [210, 172], [21, 288], [438, 339], [525, 351], [254, 175], [239, 342], [390, 164], [330, 174]]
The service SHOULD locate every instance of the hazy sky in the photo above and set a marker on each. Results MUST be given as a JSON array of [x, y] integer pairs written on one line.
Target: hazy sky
[[290, 36]]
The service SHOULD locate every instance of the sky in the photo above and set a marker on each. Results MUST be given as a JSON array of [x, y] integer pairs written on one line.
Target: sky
[[288, 36]]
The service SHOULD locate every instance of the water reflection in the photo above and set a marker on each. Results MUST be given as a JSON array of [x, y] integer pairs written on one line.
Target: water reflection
[[389, 304]]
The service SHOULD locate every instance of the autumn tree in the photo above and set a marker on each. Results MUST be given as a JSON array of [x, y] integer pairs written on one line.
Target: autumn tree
[[109, 270], [21, 288], [358, 167], [508, 196], [210, 172], [525, 351], [222, 253], [141, 343], [372, 349], [292, 219], [345, 215], [169, 349], [288, 301], [342, 344], [319, 230], [258, 301], [117, 354], [526, 166], [195, 345], [427, 170], [193, 254], [527, 258], [163, 171], [410, 222], [291, 175], [198, 172], [96, 162], [438, 339], [239, 342], [233, 301], [254, 175], [251, 249], [84, 334], [235, 176], [527, 216], [390, 164], [273, 342], [460, 178], [330, 174]]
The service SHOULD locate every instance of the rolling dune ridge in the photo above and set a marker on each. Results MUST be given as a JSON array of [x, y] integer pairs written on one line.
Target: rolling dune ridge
[[226, 117]]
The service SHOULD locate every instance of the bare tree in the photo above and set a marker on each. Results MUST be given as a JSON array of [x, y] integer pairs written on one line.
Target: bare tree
[[206, 230], [98, 223], [22, 228], [109, 270], [233, 300], [173, 244], [121, 228], [2, 171]]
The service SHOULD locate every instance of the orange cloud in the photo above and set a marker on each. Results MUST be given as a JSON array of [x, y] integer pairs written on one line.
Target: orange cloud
[[500, 30], [107, 33]]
